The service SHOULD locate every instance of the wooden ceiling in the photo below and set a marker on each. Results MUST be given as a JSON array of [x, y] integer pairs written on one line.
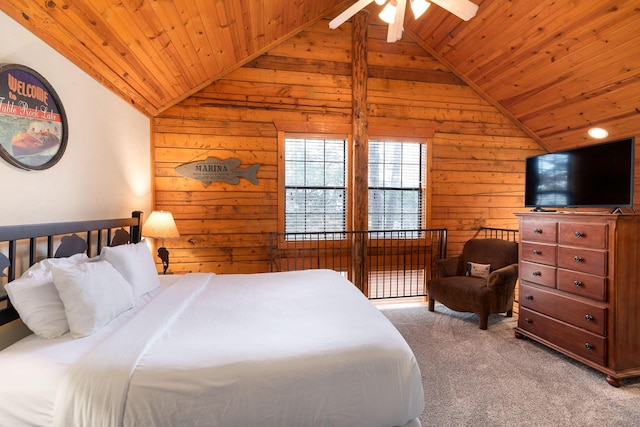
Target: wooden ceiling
[[557, 67]]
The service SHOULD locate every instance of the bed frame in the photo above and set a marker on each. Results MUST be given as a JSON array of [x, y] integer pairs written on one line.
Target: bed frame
[[21, 246]]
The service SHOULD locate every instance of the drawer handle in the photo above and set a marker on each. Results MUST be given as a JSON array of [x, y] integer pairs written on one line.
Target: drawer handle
[[588, 346], [527, 320], [577, 283], [536, 252], [578, 234], [588, 318], [537, 231], [578, 258], [537, 273], [529, 297]]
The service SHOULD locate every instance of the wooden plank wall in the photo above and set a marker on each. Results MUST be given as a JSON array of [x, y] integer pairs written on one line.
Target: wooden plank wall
[[476, 165]]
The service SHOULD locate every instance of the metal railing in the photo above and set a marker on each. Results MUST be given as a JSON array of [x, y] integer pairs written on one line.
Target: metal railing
[[382, 264], [498, 233]]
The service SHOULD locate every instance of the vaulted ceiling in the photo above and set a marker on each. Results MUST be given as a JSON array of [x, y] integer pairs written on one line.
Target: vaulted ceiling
[[557, 67]]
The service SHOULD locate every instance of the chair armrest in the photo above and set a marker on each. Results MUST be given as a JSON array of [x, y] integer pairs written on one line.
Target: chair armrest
[[503, 276], [447, 267]]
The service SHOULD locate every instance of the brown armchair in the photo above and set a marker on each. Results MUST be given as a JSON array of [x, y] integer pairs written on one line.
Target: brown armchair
[[474, 293]]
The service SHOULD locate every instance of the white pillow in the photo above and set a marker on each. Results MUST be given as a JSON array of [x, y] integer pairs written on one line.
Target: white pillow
[[93, 294], [44, 266], [478, 270], [135, 263], [36, 299]]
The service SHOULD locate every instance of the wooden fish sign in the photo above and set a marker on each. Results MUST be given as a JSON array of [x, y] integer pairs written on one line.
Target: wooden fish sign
[[216, 170]]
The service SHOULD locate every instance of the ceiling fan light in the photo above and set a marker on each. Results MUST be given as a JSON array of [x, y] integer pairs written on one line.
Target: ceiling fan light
[[388, 14], [380, 2], [418, 7]]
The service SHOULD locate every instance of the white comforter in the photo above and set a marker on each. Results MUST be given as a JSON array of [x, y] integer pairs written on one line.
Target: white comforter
[[279, 349]]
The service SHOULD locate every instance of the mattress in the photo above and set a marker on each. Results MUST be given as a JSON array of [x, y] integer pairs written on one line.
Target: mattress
[[296, 349]]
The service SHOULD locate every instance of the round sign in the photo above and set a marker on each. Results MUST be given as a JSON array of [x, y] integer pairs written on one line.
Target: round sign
[[33, 124]]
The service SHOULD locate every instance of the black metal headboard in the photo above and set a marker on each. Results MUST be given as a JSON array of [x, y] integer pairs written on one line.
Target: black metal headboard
[[96, 235]]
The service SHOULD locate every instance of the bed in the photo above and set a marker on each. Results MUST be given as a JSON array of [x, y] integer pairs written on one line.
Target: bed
[[133, 348]]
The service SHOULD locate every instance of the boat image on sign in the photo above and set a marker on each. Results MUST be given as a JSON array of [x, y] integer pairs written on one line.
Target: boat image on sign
[[216, 170], [33, 142]]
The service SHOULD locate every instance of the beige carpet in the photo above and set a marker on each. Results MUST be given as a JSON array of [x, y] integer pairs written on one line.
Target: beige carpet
[[489, 378]]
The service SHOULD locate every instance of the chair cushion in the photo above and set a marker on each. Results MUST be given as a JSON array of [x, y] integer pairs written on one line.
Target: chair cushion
[[461, 293]]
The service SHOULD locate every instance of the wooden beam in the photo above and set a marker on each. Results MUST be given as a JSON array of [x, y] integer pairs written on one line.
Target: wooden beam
[[360, 152]]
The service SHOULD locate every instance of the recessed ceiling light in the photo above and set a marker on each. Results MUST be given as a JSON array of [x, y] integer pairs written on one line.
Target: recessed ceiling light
[[598, 133]]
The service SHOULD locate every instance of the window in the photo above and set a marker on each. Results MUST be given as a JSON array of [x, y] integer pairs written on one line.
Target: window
[[315, 184], [396, 180]]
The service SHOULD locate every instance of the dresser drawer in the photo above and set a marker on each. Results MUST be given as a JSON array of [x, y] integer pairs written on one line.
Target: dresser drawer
[[585, 285], [539, 252], [583, 260], [593, 318], [577, 341], [583, 234], [539, 231], [538, 273]]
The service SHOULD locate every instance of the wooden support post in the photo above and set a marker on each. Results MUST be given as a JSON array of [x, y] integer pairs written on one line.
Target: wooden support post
[[360, 149]]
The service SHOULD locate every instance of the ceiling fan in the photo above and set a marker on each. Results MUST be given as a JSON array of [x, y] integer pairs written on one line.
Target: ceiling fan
[[393, 12]]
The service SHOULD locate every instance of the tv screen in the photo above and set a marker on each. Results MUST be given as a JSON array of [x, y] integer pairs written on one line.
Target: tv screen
[[598, 175]]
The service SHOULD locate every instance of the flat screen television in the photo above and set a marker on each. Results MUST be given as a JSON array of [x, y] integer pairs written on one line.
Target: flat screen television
[[599, 175]]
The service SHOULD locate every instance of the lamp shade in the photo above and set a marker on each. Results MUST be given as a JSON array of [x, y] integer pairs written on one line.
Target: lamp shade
[[160, 225], [419, 7], [388, 13]]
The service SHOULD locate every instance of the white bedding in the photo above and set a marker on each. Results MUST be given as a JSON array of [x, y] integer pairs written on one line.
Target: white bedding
[[279, 349]]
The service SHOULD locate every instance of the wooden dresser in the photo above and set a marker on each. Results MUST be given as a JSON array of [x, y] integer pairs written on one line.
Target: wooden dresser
[[580, 288]]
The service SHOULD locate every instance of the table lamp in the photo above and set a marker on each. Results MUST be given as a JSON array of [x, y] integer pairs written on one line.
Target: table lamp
[[161, 225]]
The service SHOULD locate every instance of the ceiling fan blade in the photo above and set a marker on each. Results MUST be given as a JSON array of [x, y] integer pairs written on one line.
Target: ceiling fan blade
[[348, 13], [463, 9], [395, 30]]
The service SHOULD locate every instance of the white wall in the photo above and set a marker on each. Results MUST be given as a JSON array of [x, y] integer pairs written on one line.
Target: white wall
[[105, 171]]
